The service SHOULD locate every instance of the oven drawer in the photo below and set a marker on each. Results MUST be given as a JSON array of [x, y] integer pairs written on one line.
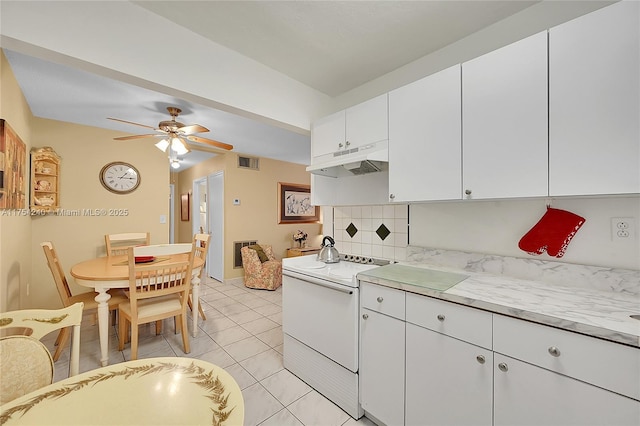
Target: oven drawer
[[385, 300], [324, 316]]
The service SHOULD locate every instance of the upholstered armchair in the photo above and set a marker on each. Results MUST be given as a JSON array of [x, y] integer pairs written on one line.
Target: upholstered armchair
[[261, 268]]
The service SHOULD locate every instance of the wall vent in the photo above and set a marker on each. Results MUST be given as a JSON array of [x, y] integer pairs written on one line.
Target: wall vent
[[237, 256], [252, 163]]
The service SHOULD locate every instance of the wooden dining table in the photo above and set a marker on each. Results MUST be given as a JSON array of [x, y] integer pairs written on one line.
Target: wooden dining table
[[153, 391], [104, 273]]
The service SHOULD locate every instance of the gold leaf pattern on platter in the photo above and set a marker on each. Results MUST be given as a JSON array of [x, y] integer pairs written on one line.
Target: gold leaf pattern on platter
[[213, 387], [5, 321]]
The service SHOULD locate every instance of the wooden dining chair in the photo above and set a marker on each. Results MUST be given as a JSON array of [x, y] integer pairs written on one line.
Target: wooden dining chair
[[68, 299], [158, 289], [25, 362], [201, 242], [118, 244]]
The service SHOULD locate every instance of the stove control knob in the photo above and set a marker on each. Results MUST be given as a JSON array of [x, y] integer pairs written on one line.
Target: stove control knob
[[358, 259], [379, 299]]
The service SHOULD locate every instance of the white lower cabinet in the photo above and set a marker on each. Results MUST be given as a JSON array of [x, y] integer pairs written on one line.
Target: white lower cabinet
[[450, 364], [528, 395], [448, 381], [382, 354], [382, 369]]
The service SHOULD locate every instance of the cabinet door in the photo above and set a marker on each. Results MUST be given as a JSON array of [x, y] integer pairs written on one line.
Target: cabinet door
[[504, 121], [448, 382], [594, 103], [425, 152], [382, 367], [528, 395], [327, 134], [367, 122]]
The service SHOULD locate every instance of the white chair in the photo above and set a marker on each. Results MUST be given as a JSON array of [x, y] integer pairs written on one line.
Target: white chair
[[25, 362], [68, 299], [118, 244], [157, 290], [201, 242]]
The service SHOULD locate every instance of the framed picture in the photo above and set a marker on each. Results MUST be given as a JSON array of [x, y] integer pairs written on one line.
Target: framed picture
[[185, 207], [294, 204], [13, 162]]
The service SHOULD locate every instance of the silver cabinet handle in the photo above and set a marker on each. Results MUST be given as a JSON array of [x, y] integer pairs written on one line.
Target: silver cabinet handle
[[440, 317], [554, 351], [348, 143], [503, 367], [379, 299], [467, 192], [392, 196], [340, 145], [365, 316], [480, 359]]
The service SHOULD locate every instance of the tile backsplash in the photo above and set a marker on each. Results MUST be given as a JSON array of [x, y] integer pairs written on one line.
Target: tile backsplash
[[372, 231]]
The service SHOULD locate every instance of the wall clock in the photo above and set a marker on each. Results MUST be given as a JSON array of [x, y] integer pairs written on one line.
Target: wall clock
[[120, 177]]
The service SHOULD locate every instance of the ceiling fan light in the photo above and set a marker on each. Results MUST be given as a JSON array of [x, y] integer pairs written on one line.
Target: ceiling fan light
[[175, 164], [163, 145], [178, 146]]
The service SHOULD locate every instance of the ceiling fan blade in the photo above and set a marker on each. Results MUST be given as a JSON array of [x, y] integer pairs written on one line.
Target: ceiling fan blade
[[210, 142], [131, 122], [126, 138], [194, 128]]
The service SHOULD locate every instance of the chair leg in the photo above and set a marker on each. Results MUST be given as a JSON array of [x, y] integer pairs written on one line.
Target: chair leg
[[158, 327], [122, 331], [204, 317], [63, 336], [185, 334], [134, 341]]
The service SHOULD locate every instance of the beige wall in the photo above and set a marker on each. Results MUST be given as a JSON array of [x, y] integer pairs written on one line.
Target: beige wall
[[79, 236], [256, 218], [15, 231]]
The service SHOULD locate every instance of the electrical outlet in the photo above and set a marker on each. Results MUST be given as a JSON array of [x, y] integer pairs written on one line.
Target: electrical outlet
[[622, 228]]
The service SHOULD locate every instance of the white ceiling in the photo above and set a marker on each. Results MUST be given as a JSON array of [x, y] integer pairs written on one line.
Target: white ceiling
[[332, 46]]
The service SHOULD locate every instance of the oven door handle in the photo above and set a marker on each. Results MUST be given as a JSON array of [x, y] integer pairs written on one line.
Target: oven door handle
[[320, 282]]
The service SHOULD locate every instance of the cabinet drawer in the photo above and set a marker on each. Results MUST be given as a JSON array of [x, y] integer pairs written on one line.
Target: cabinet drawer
[[606, 364], [385, 300], [468, 324]]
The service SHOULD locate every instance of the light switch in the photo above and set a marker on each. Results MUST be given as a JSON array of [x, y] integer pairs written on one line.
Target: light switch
[[163, 218], [236, 201]]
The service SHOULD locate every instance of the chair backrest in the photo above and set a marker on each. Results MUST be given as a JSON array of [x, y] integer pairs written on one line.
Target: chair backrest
[[160, 277], [44, 321], [118, 244], [201, 242], [57, 271], [25, 366]]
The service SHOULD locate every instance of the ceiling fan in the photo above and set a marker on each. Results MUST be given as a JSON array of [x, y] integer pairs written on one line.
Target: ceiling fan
[[175, 135]]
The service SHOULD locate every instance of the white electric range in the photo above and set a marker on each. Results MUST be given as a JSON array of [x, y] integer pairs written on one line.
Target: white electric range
[[320, 306]]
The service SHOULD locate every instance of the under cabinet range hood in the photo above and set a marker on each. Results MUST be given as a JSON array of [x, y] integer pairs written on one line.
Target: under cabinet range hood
[[370, 158]]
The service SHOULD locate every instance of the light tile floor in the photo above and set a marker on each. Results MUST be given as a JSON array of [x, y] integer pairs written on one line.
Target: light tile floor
[[243, 335]]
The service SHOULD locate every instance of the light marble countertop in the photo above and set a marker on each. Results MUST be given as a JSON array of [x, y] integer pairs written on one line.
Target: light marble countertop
[[591, 312]]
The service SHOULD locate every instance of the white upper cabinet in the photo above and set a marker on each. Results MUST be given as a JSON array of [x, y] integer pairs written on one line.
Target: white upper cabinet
[[327, 134], [358, 125], [425, 154], [367, 122], [504, 121], [594, 103]]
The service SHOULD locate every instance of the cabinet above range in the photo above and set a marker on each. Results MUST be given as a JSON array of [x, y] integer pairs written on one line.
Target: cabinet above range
[[352, 141]]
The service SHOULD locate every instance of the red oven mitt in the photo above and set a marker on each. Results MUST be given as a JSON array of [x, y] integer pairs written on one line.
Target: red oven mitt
[[552, 233]]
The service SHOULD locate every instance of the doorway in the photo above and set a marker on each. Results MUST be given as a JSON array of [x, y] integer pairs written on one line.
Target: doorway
[[208, 218]]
